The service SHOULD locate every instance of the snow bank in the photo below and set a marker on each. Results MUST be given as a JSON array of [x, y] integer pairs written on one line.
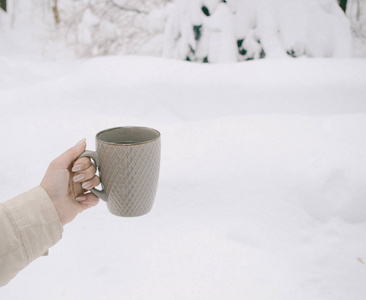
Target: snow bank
[[262, 184]]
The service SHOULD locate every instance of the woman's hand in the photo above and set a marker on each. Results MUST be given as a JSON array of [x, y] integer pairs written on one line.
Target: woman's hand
[[67, 182]]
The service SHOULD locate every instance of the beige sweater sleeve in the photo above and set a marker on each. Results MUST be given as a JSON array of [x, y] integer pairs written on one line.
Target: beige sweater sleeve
[[29, 226]]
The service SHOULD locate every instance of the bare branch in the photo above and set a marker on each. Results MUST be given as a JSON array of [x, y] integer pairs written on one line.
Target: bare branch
[[128, 8]]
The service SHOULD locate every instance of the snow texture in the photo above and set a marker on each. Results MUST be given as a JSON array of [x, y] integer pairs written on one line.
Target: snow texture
[[263, 176]]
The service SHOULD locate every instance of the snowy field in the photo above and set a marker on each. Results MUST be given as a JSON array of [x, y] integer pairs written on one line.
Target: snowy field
[[262, 193]]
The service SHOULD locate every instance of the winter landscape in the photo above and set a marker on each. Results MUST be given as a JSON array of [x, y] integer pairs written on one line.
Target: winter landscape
[[262, 191]]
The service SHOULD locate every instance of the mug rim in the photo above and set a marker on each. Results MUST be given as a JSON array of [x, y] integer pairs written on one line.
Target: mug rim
[[132, 144]]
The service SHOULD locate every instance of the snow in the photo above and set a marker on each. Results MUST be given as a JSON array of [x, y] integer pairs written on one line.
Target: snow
[[222, 43], [262, 189], [311, 28]]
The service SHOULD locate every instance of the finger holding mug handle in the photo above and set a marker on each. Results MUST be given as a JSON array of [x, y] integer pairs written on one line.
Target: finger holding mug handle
[[94, 156]]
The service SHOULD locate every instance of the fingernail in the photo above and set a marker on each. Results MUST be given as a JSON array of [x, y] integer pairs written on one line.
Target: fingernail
[[78, 177], [80, 142], [80, 198], [87, 184], [77, 168]]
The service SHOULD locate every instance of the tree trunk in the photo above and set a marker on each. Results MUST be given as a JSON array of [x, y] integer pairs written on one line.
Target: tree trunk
[[3, 4], [55, 12], [343, 4], [358, 14]]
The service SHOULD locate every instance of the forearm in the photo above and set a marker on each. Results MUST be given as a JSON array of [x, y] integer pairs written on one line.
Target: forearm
[[29, 226]]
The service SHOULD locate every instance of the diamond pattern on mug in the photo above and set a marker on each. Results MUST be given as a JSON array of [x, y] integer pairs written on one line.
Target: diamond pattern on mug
[[130, 175]]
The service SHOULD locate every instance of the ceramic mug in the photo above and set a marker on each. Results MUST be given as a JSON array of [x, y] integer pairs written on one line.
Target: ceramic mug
[[128, 161]]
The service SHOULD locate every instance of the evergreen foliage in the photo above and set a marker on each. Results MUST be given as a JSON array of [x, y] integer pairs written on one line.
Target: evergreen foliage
[[3, 5]]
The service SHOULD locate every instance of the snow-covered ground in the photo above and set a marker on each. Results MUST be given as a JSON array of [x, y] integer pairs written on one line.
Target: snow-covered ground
[[262, 192]]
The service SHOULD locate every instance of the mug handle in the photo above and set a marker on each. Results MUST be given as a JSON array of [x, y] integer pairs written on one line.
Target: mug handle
[[94, 156]]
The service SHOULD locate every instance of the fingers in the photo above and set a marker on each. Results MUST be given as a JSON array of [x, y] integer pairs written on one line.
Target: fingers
[[87, 185], [87, 200], [81, 164], [87, 176]]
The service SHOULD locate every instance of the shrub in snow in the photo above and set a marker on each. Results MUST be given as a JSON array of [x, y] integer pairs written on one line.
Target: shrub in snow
[[234, 30]]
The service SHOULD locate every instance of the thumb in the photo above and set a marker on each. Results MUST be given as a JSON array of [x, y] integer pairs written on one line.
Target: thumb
[[68, 157]]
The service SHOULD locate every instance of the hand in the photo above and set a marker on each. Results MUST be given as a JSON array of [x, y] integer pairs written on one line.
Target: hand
[[67, 189]]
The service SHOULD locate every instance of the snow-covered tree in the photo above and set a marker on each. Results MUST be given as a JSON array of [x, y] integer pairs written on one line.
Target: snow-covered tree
[[200, 30], [17, 14], [356, 10], [95, 27], [235, 30]]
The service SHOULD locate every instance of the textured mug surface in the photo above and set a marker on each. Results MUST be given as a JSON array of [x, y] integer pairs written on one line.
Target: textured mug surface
[[128, 160]]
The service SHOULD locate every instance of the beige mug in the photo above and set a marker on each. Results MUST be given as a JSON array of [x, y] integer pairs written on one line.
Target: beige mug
[[128, 161]]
